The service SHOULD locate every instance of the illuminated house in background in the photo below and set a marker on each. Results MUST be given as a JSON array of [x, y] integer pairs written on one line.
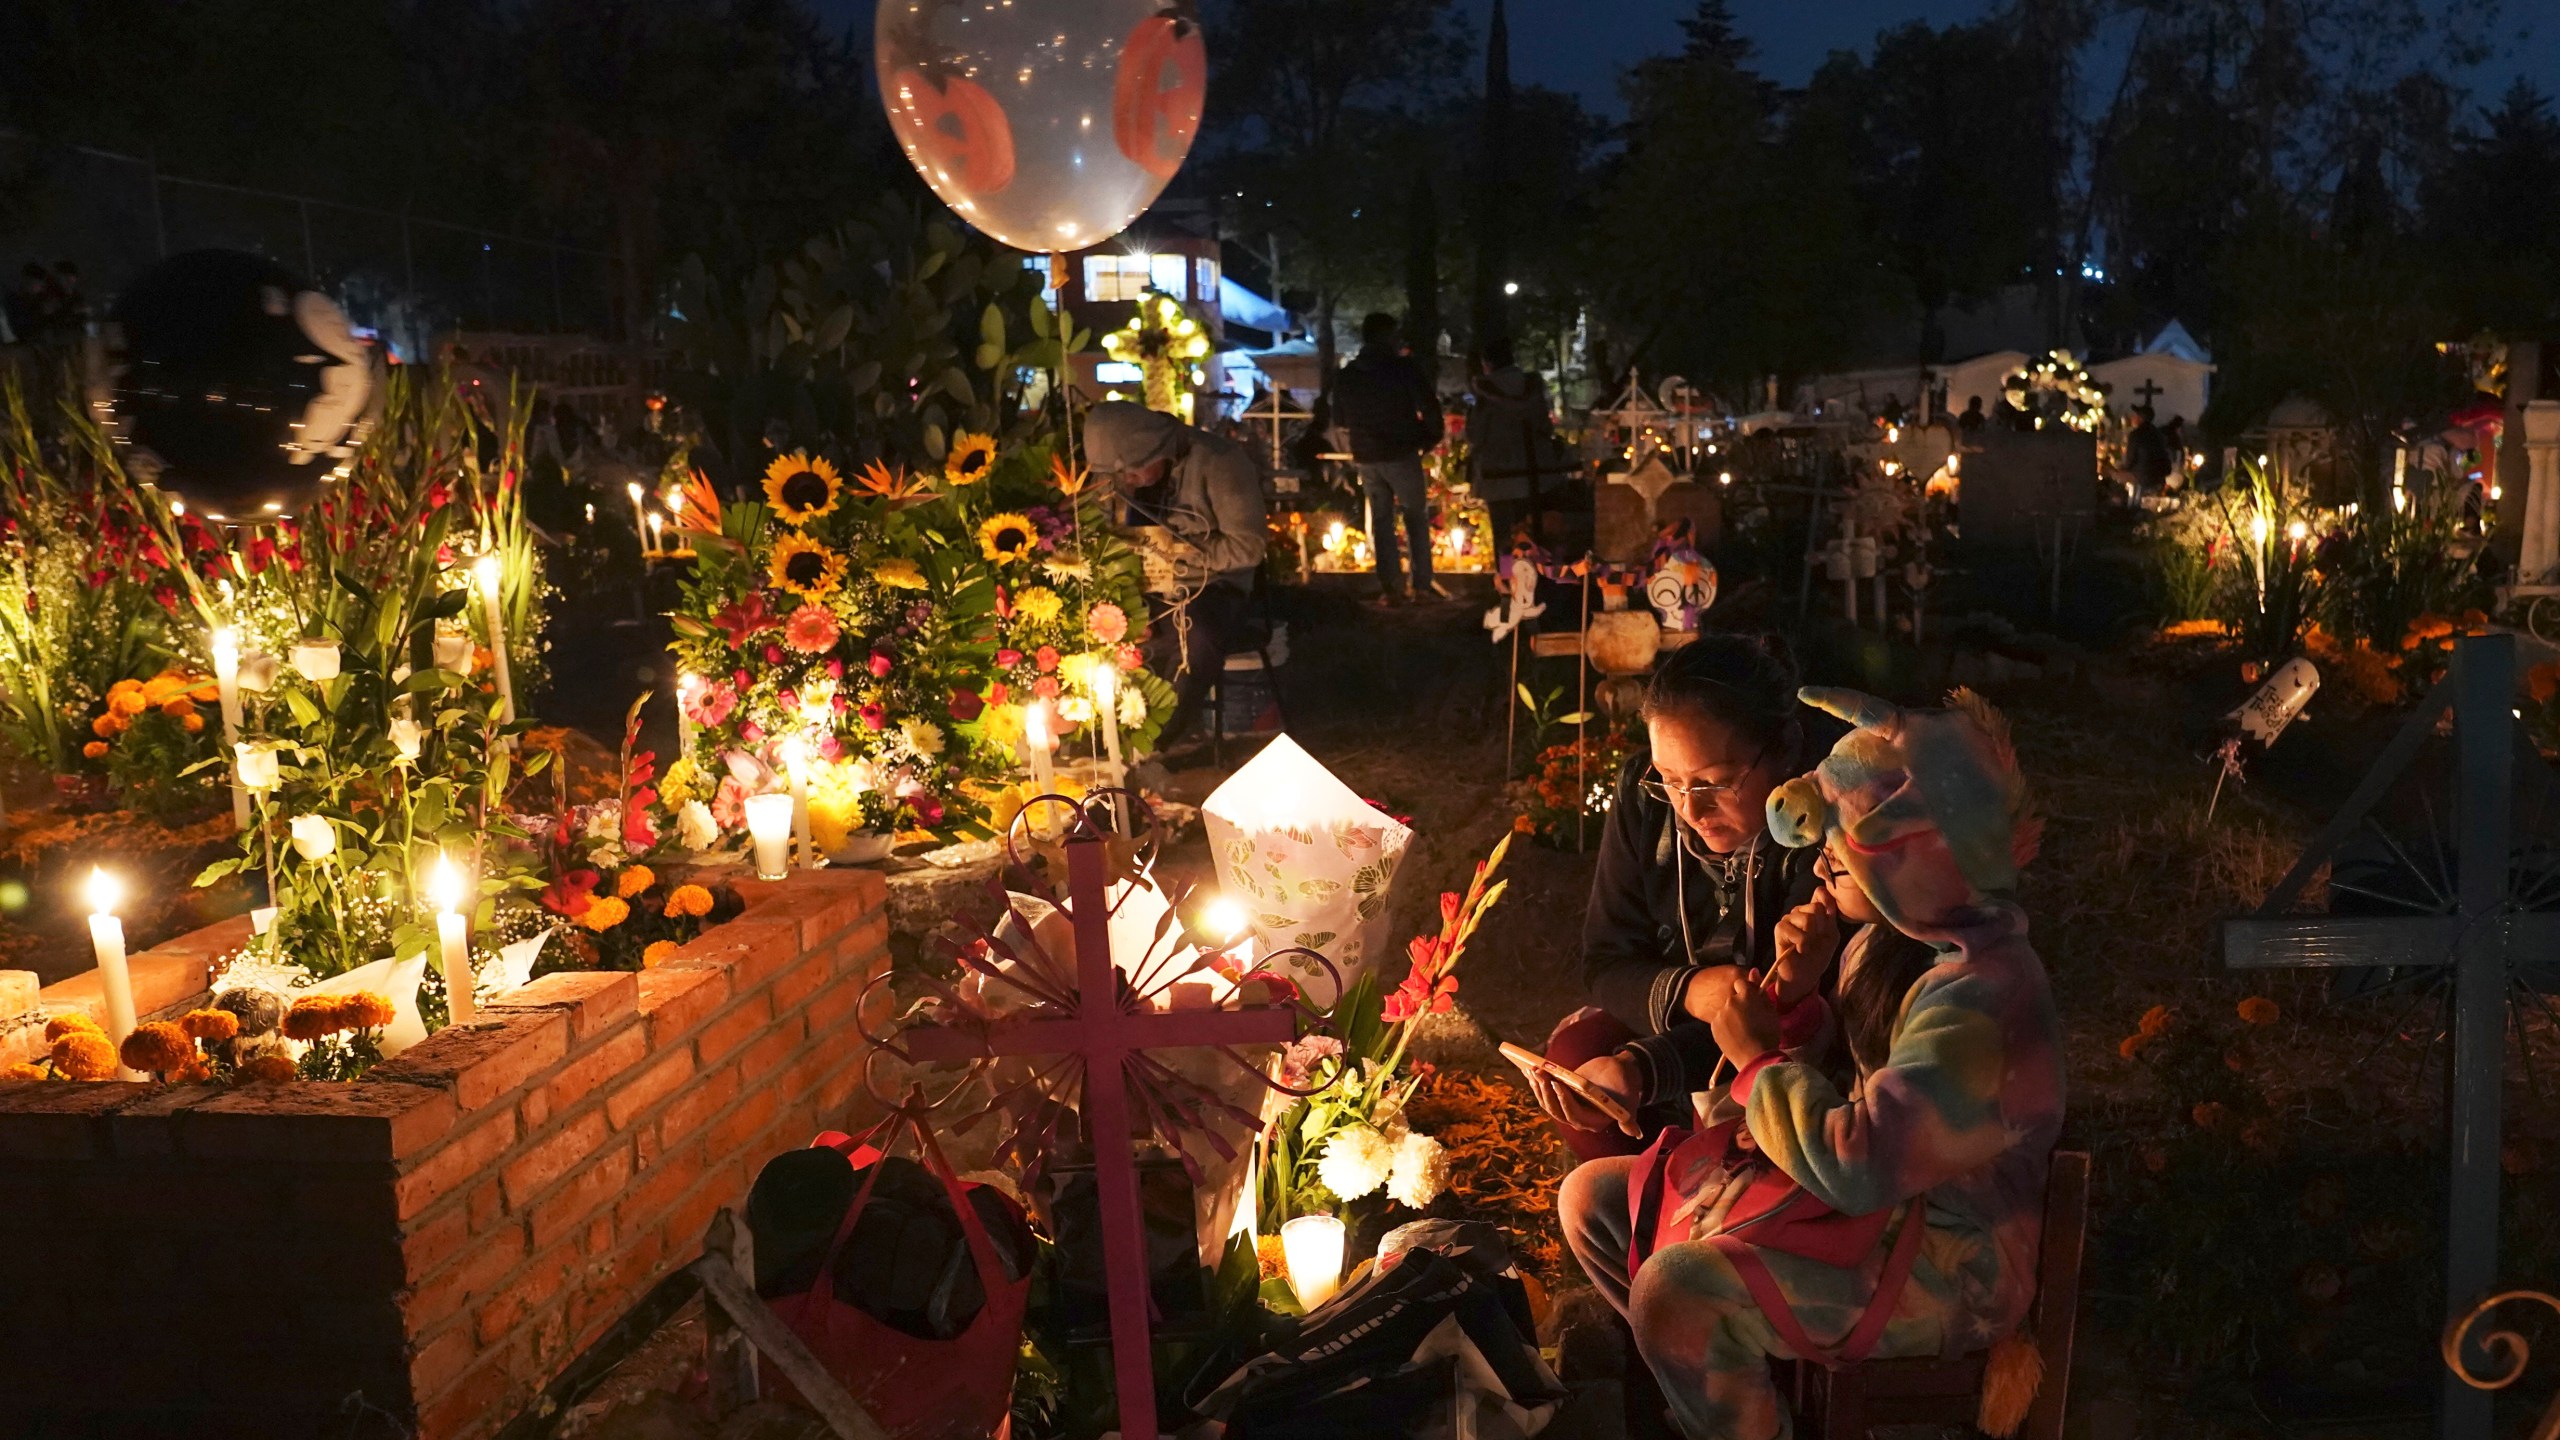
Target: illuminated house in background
[[1105, 284]]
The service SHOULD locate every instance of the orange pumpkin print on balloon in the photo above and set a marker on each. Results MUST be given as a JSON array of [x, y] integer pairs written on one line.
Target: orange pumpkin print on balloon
[[955, 124], [1164, 82]]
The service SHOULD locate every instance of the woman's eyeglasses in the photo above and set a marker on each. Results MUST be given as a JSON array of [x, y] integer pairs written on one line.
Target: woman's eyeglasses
[[1667, 793]]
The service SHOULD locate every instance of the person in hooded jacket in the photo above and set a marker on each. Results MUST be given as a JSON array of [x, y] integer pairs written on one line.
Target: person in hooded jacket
[[1197, 500], [1510, 435]]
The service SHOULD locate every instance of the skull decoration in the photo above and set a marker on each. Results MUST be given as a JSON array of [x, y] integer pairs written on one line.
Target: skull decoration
[[1682, 588]]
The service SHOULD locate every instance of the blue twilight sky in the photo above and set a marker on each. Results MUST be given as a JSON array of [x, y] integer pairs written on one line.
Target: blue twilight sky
[[1582, 45]]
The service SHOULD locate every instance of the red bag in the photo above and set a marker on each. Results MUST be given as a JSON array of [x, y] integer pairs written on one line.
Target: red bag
[[1773, 1212], [918, 1389]]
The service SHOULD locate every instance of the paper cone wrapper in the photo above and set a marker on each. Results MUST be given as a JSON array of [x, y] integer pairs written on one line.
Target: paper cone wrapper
[[395, 980], [1309, 860]]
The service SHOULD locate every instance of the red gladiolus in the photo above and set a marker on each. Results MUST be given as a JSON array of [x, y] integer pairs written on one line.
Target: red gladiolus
[[572, 893]]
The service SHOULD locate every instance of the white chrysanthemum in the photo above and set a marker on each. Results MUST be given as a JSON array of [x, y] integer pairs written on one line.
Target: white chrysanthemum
[[695, 827], [1420, 1172], [1355, 1162], [923, 736], [1133, 707]]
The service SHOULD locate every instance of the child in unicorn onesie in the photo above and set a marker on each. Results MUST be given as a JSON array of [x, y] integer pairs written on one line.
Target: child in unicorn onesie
[[1948, 1124]]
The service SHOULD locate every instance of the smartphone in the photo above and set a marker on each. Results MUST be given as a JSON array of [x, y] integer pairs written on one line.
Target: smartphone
[[1533, 1063]]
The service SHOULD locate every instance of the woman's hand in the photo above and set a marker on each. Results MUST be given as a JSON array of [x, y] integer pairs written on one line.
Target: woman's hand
[[1609, 1074], [1747, 1028], [1710, 990], [1808, 937]]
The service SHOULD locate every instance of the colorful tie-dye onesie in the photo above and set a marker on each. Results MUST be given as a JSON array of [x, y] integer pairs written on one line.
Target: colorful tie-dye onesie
[[1925, 810]]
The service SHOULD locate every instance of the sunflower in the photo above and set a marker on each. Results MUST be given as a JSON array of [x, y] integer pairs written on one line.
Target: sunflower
[[972, 455], [805, 567], [1007, 538], [801, 488]]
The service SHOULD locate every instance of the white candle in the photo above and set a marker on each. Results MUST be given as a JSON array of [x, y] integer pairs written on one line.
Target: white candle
[[1035, 743], [448, 887], [639, 516], [106, 933], [1106, 699], [492, 576], [1313, 1247], [226, 675], [769, 822], [685, 686], [658, 534], [795, 759]]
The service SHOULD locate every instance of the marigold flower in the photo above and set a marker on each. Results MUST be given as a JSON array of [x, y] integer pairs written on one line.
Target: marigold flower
[[211, 1026], [107, 726], [658, 953], [1269, 1258], [95, 749], [2130, 1046], [634, 880], [26, 1070], [192, 724], [688, 900], [2259, 1010], [272, 1068], [71, 1022], [2210, 1115], [194, 1072], [84, 1055], [178, 708], [366, 1010], [311, 1017], [606, 913], [2155, 1021], [127, 702]]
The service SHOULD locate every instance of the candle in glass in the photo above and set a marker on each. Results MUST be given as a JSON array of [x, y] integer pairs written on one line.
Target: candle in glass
[[492, 576], [639, 515], [1312, 1245], [106, 935], [449, 888], [769, 824], [795, 759], [226, 676]]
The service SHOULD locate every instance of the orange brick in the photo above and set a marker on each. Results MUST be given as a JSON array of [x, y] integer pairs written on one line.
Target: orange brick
[[584, 1075], [487, 1205], [525, 1293], [768, 1052], [428, 1247], [658, 1186], [831, 1010], [802, 978], [546, 1160], [602, 1298], [594, 1000], [725, 1185], [486, 1062], [161, 979], [442, 1360], [731, 1133], [723, 1036], [470, 1404], [679, 995], [477, 1272], [457, 1164], [592, 1184], [758, 949], [44, 1120], [637, 1093], [695, 1105], [377, 1122]]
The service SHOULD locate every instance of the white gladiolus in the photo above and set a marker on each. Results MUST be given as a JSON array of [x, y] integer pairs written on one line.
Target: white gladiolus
[[1420, 1171], [1355, 1161], [313, 837]]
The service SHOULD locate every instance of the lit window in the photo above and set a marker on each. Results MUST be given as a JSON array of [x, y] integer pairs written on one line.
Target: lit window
[[1040, 265], [1118, 372], [1172, 275], [1208, 273], [1115, 277]]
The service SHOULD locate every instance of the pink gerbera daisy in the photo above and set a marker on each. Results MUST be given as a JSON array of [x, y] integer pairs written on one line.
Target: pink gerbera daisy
[[811, 630]]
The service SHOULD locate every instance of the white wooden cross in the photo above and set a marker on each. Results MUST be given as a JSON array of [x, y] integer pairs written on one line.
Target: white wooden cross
[[2482, 939]]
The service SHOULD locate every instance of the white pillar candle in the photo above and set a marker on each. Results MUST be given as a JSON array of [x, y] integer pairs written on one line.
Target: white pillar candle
[[449, 888], [1313, 1247], [658, 534], [106, 934], [795, 760], [226, 676], [639, 515], [1036, 741], [492, 576], [769, 824], [1106, 702]]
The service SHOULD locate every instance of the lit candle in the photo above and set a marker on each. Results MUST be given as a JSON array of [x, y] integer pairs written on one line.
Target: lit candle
[[1036, 742], [769, 820], [639, 515], [1106, 700], [492, 588], [449, 888], [658, 534], [1312, 1245], [106, 933], [226, 675], [685, 686], [795, 758]]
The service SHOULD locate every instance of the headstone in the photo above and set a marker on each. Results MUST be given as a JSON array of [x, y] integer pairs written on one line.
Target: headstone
[[1632, 507], [2019, 484]]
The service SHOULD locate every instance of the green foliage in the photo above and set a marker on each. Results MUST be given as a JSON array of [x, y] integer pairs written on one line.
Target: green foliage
[[2275, 585], [2391, 565]]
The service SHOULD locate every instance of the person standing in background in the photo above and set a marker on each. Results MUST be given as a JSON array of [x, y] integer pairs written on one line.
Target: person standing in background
[[1510, 434], [1390, 413]]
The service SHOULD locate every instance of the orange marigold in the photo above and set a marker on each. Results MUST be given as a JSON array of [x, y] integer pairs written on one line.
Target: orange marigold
[[634, 880], [211, 1026], [70, 1022], [1269, 1257], [84, 1055], [26, 1070], [366, 1010], [194, 1072], [604, 914], [157, 1047], [2259, 1010], [658, 954], [2155, 1021], [312, 1016], [272, 1068], [688, 900], [95, 749], [177, 707], [2543, 681], [2131, 1045]]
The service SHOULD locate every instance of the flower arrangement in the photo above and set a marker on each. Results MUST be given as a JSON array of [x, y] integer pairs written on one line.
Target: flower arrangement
[[1351, 1144], [245, 1037], [1572, 788], [2057, 390], [1167, 345]]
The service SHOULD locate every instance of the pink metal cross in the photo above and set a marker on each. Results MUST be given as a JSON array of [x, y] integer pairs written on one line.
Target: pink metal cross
[[1106, 1029]]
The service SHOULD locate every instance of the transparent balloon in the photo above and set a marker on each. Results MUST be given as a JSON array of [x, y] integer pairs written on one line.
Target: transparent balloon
[[1048, 124]]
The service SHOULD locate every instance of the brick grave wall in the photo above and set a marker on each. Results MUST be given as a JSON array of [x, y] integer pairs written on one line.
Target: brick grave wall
[[438, 1239]]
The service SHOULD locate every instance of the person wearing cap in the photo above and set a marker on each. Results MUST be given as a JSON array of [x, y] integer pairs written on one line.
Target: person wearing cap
[[1196, 500]]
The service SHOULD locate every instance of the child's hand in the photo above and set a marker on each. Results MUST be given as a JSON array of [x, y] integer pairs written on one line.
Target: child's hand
[[1808, 937], [1748, 1028]]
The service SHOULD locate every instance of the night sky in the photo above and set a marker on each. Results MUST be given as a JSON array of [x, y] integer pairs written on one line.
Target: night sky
[[1557, 42]]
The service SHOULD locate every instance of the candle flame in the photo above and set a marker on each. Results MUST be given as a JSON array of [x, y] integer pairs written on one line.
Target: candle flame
[[1224, 919], [103, 890], [634, 488], [446, 885], [1105, 681], [1035, 723], [489, 572]]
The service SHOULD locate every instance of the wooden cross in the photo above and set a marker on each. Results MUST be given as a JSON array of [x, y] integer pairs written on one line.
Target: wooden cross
[[2149, 390], [1108, 1026], [2480, 940]]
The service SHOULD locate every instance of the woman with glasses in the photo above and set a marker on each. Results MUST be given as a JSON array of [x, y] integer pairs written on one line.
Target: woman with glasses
[[1690, 892]]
